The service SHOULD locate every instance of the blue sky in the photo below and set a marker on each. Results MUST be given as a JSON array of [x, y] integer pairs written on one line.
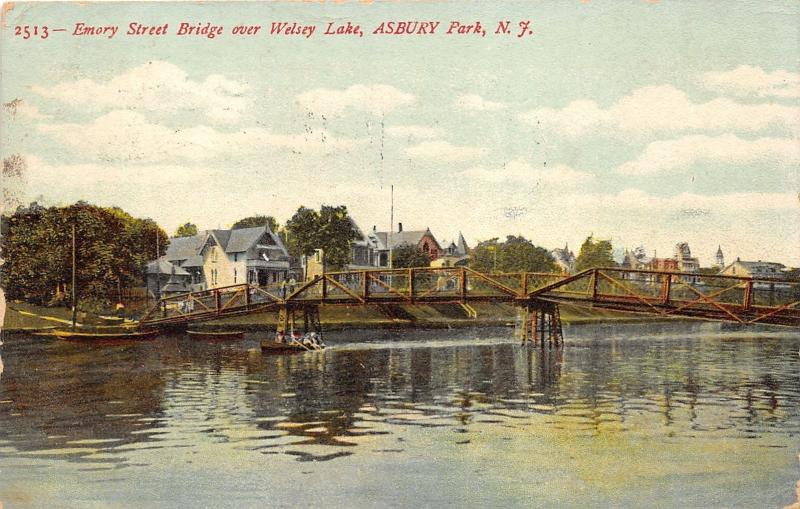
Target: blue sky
[[648, 123]]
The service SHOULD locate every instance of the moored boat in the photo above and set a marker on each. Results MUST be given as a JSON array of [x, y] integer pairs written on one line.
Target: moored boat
[[107, 335]]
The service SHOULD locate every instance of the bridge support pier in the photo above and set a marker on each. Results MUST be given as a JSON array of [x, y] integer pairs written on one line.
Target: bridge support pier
[[541, 321], [288, 318]]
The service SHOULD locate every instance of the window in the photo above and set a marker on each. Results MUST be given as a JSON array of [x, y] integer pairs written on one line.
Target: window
[[234, 276], [236, 259]]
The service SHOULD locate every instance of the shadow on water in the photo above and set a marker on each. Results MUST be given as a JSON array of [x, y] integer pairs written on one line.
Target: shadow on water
[[71, 402]]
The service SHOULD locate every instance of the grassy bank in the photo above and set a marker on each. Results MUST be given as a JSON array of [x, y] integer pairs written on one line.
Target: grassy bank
[[22, 317]]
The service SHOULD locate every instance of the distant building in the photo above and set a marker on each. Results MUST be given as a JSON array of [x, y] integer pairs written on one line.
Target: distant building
[[216, 258], [720, 258], [565, 259], [683, 255], [456, 254], [374, 250], [663, 264], [755, 270]]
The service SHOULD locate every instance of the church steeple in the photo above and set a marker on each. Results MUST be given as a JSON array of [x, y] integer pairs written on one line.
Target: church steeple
[[720, 257]]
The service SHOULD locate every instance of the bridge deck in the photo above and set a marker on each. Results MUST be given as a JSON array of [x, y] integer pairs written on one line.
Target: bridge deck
[[712, 297]]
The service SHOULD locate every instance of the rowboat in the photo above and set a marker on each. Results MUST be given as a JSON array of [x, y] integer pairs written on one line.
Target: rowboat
[[197, 334], [309, 342], [99, 336]]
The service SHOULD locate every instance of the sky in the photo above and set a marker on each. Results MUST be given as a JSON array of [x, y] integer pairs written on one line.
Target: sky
[[647, 123]]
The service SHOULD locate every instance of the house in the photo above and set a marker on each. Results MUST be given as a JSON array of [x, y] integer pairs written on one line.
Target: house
[[369, 252], [755, 270], [565, 259], [636, 259], [663, 264], [683, 255], [216, 258], [374, 251], [421, 239], [455, 254]]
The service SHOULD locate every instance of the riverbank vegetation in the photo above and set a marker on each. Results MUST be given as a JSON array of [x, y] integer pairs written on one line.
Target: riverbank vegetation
[[112, 249]]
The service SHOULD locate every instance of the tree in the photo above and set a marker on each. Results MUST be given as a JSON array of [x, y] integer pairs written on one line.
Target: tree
[[330, 229], [186, 230], [594, 254], [406, 255], [336, 232], [112, 251], [255, 221], [484, 256], [302, 229], [516, 254]]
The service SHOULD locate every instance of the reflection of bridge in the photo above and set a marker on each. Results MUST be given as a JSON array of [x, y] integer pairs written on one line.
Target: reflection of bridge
[[710, 297]]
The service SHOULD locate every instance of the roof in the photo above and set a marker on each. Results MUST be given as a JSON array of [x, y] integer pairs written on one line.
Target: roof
[[243, 239], [410, 237], [462, 247], [183, 248], [231, 241], [759, 264], [193, 261], [162, 266]]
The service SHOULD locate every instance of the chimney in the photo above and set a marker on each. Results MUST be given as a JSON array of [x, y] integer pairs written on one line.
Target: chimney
[[374, 228], [399, 227]]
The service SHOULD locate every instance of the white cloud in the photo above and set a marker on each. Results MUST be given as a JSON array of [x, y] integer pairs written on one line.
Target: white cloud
[[474, 102], [683, 153], [520, 170], [748, 80], [157, 86], [128, 136], [662, 109], [444, 151], [420, 132], [374, 99]]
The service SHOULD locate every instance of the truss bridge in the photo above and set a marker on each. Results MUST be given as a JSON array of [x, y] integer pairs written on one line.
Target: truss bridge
[[537, 295]]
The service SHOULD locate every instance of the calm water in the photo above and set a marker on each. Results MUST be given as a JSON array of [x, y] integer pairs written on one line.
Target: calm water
[[671, 415]]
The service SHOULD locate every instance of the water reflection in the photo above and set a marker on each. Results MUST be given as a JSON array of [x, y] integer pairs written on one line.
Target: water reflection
[[120, 406]]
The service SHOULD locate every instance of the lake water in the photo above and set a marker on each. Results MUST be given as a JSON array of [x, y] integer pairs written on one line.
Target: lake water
[[659, 415]]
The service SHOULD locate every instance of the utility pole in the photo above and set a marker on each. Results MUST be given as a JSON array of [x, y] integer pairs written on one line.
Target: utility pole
[[74, 279]]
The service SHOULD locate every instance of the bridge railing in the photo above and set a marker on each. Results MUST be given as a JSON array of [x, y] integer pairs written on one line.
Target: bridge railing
[[209, 303], [688, 294], [657, 292]]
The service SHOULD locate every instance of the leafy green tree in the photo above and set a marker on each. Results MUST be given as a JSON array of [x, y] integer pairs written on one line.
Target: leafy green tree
[[516, 254], [330, 229], [301, 233], [594, 254], [336, 233], [483, 257], [112, 251], [186, 230], [255, 221], [406, 255]]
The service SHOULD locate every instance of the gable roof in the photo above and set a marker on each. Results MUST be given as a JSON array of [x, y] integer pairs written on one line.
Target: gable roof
[[411, 237], [243, 239], [231, 241]]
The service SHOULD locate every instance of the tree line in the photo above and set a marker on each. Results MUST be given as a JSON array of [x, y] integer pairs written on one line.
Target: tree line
[[112, 250]]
